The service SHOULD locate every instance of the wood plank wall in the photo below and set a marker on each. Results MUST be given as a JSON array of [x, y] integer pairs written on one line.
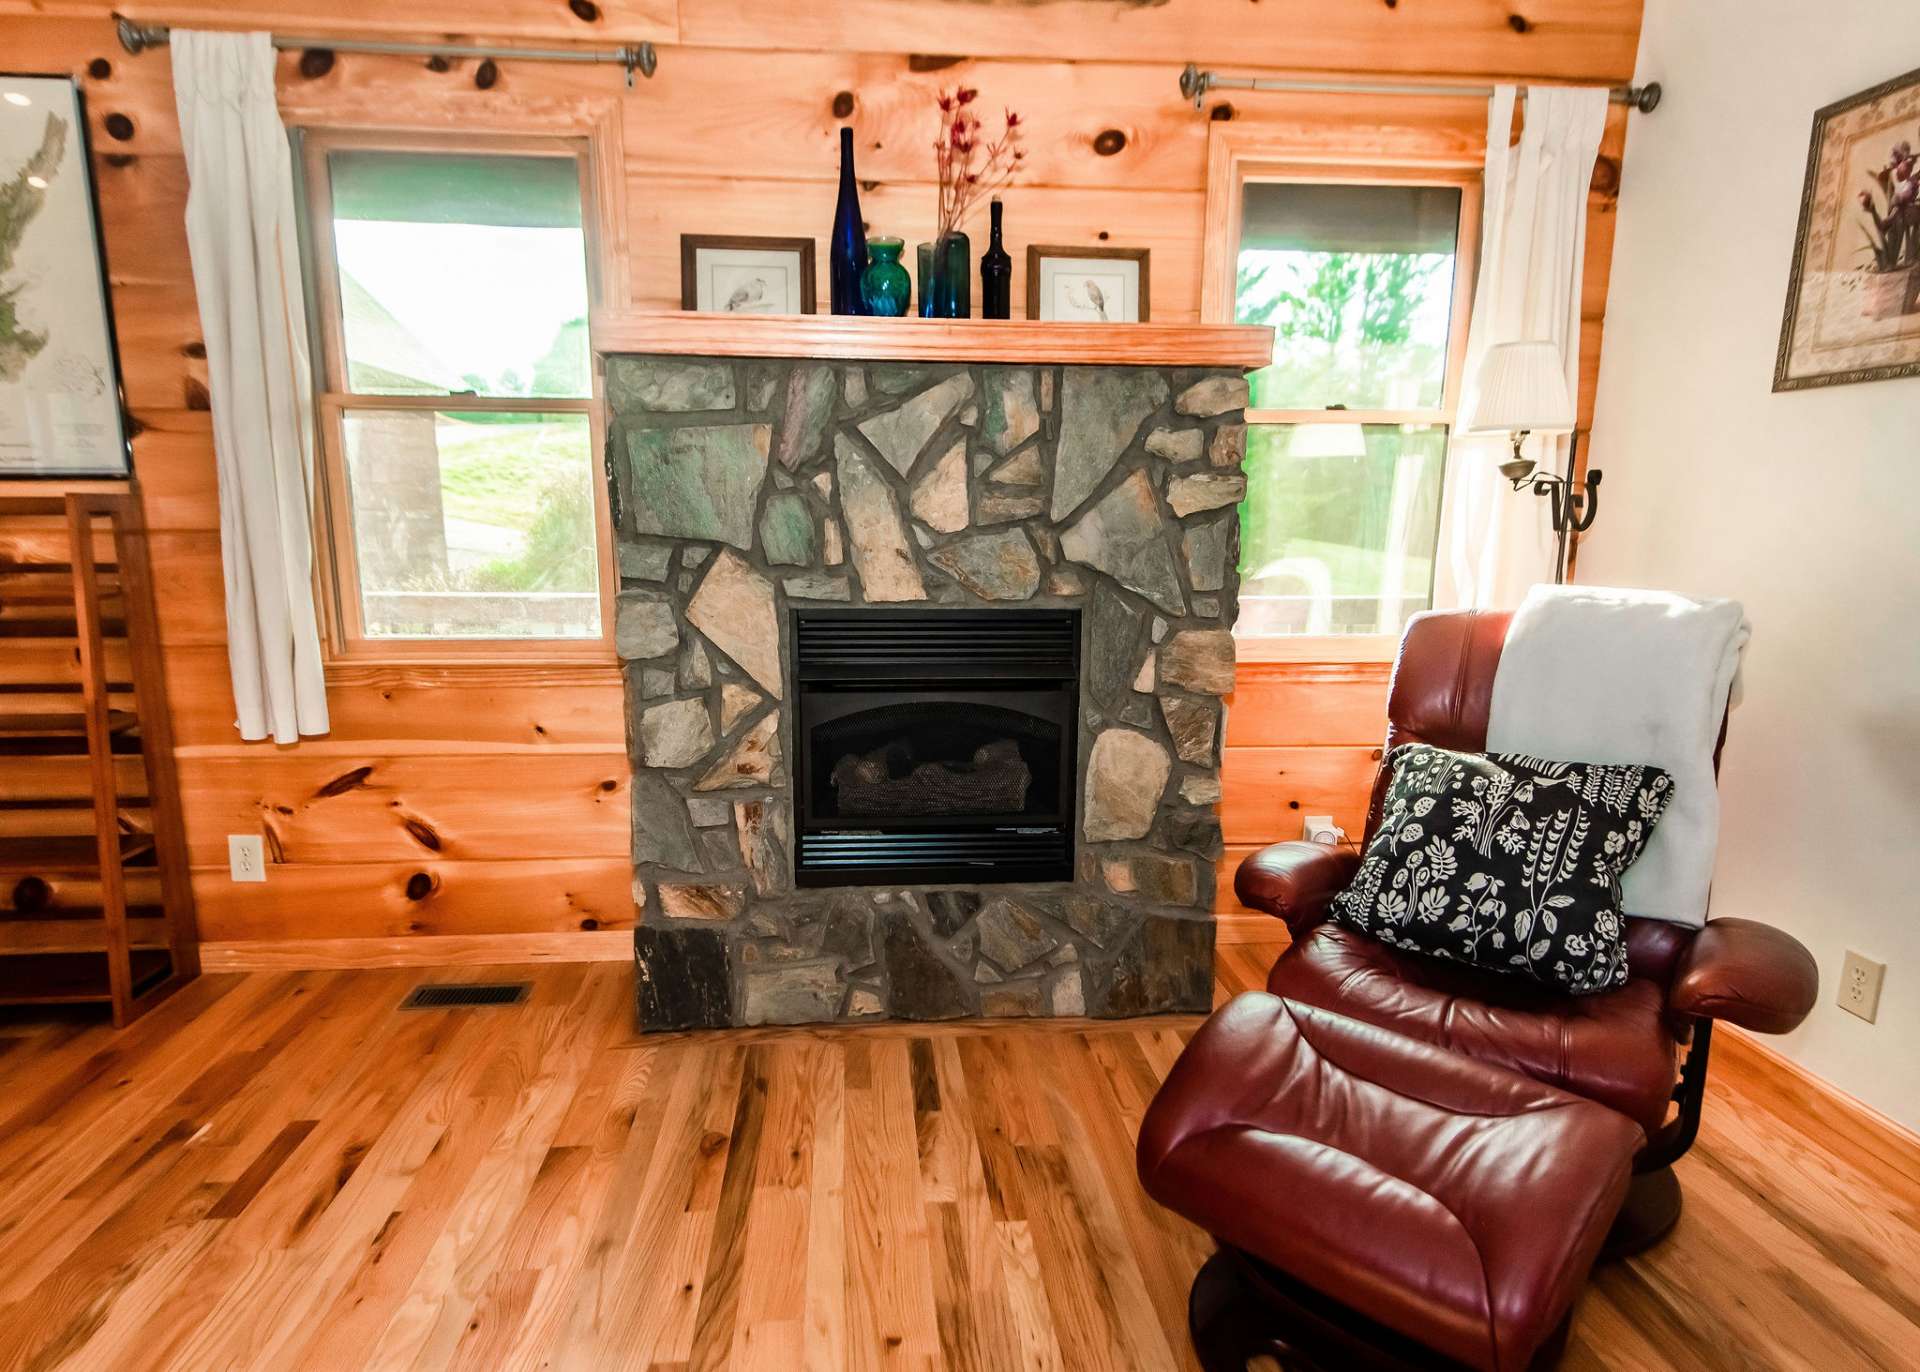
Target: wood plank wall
[[475, 803]]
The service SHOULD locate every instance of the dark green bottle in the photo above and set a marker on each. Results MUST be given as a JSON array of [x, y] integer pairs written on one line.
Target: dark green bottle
[[996, 274]]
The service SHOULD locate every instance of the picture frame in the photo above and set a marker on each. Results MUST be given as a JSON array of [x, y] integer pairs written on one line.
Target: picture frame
[[1853, 291], [62, 406], [1088, 285], [758, 275]]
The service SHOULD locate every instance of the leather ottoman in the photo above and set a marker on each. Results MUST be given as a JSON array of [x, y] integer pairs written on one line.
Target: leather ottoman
[[1380, 1202]]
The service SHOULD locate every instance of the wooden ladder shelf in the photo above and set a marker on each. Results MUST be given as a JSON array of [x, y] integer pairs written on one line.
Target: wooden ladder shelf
[[95, 900]]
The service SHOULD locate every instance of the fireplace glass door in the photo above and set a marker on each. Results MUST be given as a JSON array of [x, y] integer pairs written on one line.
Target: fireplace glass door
[[935, 746]]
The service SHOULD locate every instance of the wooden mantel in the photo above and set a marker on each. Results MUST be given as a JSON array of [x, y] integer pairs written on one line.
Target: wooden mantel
[[685, 333]]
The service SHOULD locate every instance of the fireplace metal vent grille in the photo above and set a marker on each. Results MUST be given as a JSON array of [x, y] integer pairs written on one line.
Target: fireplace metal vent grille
[[902, 644]]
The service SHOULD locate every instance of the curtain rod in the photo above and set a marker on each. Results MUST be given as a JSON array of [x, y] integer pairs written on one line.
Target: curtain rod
[[635, 57], [1194, 84]]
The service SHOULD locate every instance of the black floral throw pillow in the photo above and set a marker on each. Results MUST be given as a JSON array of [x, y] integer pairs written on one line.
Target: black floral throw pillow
[[1506, 862]]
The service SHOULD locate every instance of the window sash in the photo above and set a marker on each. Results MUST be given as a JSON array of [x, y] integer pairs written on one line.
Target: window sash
[[337, 571], [1222, 269]]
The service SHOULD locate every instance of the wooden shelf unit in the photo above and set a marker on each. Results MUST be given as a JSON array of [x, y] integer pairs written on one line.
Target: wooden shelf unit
[[95, 902]]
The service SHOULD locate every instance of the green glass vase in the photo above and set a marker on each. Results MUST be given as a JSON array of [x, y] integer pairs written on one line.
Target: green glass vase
[[946, 273], [885, 288]]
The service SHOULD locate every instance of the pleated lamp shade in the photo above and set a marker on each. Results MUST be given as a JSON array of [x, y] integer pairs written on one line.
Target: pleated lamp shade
[[1522, 386]]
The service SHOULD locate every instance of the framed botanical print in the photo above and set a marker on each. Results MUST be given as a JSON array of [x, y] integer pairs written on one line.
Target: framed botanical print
[[739, 274], [1087, 285], [1853, 301], [60, 407]]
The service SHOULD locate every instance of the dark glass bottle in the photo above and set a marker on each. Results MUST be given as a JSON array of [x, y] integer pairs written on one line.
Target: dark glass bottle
[[847, 252], [996, 275]]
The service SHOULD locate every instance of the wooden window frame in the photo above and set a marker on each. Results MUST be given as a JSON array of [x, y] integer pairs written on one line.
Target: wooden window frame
[[336, 569], [1415, 156]]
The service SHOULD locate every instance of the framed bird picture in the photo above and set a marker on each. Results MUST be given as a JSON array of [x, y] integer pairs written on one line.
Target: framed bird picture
[[1087, 285], [738, 274]]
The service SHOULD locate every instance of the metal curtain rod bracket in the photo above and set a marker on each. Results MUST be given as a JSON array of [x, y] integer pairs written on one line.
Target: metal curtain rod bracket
[[634, 57], [1194, 84]]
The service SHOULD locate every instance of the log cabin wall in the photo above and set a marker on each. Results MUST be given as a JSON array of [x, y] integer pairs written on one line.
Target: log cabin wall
[[463, 803]]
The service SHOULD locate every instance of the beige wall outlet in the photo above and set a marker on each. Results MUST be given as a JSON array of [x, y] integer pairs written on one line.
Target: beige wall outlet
[[1860, 978]]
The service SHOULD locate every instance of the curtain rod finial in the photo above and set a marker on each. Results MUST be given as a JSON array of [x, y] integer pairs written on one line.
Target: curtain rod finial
[[1194, 84], [1645, 98], [137, 38]]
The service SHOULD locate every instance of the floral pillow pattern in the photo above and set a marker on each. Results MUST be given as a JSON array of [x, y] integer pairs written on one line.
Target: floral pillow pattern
[[1508, 863]]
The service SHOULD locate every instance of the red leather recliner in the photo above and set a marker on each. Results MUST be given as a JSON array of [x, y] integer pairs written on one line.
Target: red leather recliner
[[1621, 1048]]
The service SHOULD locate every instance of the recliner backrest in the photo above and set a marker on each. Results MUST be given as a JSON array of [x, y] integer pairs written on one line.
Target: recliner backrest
[[1442, 693]]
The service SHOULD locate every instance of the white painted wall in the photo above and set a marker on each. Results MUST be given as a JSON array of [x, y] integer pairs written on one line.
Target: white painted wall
[[1805, 506]]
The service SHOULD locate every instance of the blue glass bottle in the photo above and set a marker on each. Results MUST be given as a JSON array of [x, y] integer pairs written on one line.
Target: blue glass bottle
[[847, 252]]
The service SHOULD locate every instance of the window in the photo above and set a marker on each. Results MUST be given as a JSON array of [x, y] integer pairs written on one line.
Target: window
[[459, 426], [1347, 429]]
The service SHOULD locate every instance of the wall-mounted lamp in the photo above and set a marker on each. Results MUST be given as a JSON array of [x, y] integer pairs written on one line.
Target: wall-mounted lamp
[[1522, 389]]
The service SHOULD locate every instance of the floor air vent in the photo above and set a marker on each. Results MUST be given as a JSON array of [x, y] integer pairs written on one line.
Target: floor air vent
[[448, 994]]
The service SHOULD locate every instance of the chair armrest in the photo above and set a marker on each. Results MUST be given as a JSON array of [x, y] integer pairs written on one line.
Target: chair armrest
[[1748, 973], [1295, 881]]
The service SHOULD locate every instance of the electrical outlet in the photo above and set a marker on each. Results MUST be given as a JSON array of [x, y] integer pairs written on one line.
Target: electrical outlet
[[1860, 978], [1320, 829], [247, 857]]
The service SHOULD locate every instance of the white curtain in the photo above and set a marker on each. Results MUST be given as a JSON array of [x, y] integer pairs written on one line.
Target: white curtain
[[1494, 542], [246, 272]]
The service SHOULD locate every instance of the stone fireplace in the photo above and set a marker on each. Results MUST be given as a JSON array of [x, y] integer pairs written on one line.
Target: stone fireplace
[[923, 669]]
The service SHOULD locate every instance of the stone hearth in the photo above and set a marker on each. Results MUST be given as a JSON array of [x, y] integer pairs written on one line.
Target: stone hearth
[[744, 487]]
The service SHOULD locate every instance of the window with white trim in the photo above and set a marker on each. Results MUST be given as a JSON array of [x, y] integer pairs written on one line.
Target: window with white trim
[[1361, 280]]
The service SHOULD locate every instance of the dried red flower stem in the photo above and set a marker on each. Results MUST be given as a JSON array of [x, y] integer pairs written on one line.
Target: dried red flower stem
[[962, 182]]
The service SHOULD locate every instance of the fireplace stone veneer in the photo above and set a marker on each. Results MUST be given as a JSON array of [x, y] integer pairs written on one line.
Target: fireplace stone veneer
[[745, 489]]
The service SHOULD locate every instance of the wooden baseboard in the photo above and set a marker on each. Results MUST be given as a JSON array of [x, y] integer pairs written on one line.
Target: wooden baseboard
[[440, 950], [1893, 1142]]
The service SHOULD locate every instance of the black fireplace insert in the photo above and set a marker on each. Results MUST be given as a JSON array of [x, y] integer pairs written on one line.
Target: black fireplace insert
[[935, 745]]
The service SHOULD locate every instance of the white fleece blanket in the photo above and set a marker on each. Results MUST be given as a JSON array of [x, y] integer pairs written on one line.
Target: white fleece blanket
[[1592, 674]]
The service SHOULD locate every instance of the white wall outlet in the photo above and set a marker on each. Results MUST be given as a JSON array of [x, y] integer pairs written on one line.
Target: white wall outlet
[[1321, 829], [247, 857], [1860, 978]]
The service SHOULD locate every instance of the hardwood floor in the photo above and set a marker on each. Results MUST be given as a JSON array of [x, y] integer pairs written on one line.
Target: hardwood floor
[[282, 1170]]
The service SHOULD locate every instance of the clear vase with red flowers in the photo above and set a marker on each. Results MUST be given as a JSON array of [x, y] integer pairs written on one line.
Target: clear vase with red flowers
[[970, 166]]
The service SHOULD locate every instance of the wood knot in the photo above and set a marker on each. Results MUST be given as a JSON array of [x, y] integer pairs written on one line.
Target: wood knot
[[1103, 235], [196, 397], [421, 833], [609, 786], [1221, 112], [347, 781], [931, 61], [1108, 142], [99, 69], [589, 923], [316, 63], [31, 893], [1606, 176], [419, 886], [585, 11], [438, 63], [193, 349], [842, 104], [134, 426], [487, 75], [119, 160], [1519, 23], [118, 127]]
